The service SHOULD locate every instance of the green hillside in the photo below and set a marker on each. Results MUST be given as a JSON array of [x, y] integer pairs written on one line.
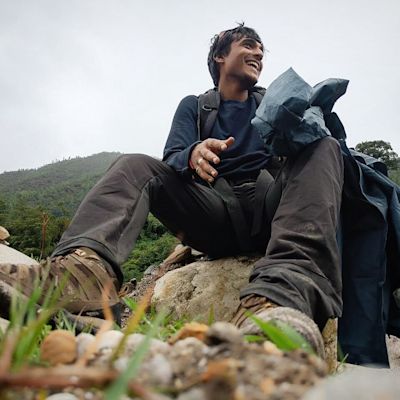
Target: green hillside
[[58, 187], [36, 206]]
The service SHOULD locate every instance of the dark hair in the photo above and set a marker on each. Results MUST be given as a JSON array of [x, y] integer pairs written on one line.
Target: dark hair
[[221, 45]]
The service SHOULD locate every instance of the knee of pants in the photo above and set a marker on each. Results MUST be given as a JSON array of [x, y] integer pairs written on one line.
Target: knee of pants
[[133, 160], [140, 165]]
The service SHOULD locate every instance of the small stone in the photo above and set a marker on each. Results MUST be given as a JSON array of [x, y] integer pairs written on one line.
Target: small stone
[[191, 329], [267, 385], [59, 347], [154, 371], [105, 344], [62, 396], [157, 370], [135, 340], [223, 332], [83, 341], [270, 348], [109, 340], [193, 394], [186, 356], [4, 324], [4, 233]]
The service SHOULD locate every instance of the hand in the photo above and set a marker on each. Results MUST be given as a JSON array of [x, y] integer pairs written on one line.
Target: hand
[[206, 153]]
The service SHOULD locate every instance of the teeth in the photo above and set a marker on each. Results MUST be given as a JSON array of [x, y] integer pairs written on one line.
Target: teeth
[[253, 64]]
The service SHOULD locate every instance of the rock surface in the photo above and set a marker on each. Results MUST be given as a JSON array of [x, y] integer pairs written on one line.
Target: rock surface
[[197, 289], [3, 324], [3, 234], [221, 366], [10, 255], [358, 383]]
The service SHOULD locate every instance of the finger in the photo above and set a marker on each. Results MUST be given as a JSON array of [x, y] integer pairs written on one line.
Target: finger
[[229, 142], [206, 172], [207, 168], [208, 156]]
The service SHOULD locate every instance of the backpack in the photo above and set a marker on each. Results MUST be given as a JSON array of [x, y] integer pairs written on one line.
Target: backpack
[[207, 109]]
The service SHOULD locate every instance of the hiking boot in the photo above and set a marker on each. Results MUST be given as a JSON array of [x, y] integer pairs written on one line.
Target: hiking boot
[[82, 276], [267, 311]]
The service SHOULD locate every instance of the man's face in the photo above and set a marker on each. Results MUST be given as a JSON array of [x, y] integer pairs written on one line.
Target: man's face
[[243, 62]]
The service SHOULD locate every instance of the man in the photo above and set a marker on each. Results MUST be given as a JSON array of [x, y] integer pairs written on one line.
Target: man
[[200, 191]]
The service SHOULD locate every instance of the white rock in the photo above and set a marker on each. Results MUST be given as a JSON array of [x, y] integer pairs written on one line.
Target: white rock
[[187, 355], [158, 369], [109, 340], [62, 396], [83, 341], [193, 394], [4, 233], [359, 383], [154, 371], [121, 363], [10, 255], [3, 324], [134, 341]]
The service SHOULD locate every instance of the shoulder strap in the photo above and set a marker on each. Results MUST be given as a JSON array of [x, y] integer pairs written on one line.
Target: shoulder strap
[[207, 109]]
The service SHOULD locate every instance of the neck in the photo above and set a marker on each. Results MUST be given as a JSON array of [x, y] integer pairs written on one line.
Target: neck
[[232, 91]]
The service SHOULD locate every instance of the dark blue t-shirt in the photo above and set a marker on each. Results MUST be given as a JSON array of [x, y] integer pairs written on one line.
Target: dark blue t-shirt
[[244, 158]]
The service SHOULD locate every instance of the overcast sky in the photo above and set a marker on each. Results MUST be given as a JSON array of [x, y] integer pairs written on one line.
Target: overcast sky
[[78, 77]]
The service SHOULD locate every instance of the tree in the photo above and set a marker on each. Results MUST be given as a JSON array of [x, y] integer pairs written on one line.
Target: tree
[[381, 150]]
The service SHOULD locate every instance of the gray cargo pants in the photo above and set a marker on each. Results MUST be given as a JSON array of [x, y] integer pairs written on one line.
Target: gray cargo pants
[[301, 265]]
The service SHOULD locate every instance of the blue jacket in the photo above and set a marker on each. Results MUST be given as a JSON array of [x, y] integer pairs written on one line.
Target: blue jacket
[[293, 114], [370, 238]]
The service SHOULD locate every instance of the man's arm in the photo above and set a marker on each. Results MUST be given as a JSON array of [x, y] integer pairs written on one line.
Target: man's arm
[[183, 136], [184, 152]]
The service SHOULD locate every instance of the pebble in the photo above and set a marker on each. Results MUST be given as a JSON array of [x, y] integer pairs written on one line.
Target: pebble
[[83, 341], [193, 394], [186, 356], [223, 332], [59, 347], [62, 396], [134, 340], [108, 340]]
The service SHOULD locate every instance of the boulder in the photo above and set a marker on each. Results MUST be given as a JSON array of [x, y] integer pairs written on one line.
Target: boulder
[[9, 255], [4, 234], [203, 287], [358, 383]]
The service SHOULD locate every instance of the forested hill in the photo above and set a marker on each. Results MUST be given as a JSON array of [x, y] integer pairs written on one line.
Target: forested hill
[[58, 187], [36, 206]]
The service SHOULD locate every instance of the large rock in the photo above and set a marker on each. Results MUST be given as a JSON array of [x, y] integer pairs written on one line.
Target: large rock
[[197, 289], [3, 234], [9, 255], [358, 383]]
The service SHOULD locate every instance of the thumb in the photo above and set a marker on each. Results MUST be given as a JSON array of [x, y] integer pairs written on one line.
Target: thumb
[[227, 143]]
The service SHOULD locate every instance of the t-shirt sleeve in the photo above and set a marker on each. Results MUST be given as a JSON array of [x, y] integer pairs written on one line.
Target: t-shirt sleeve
[[183, 136]]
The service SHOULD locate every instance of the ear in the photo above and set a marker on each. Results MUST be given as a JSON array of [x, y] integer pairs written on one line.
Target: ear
[[219, 59]]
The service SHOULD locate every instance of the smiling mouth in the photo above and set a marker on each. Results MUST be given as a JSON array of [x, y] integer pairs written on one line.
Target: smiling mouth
[[254, 64]]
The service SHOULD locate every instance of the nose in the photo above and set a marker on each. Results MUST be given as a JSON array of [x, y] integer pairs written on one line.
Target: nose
[[258, 53]]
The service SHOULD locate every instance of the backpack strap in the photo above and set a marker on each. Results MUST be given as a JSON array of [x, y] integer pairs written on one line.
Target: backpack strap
[[208, 105], [207, 111]]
